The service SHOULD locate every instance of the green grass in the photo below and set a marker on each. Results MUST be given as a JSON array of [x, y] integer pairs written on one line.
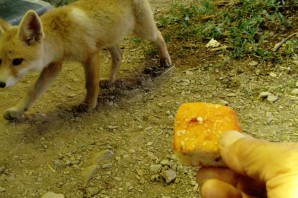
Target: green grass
[[247, 27]]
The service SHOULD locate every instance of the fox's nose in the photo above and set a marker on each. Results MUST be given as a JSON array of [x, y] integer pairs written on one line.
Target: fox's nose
[[2, 84]]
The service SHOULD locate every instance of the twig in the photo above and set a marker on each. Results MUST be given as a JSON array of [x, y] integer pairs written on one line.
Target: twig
[[220, 48], [277, 46]]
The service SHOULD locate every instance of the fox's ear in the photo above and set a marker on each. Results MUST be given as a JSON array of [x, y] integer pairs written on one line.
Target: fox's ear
[[30, 28], [4, 25]]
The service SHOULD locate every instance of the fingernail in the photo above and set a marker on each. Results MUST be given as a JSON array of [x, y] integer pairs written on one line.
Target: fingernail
[[229, 137]]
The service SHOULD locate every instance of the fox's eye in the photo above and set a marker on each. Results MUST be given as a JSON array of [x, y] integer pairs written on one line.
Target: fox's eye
[[0, 61], [17, 61]]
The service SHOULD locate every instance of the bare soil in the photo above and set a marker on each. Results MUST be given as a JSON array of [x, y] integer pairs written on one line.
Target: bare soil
[[124, 147]]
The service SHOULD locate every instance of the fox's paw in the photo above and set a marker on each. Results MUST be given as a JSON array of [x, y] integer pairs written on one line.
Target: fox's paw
[[84, 107], [12, 113], [105, 83], [165, 62]]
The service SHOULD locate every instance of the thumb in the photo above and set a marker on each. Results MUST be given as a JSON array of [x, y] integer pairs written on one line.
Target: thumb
[[276, 164]]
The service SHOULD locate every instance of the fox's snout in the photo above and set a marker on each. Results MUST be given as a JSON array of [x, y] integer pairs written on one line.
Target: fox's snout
[[2, 84]]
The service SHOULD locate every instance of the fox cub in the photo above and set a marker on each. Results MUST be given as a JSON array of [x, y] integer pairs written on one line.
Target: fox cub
[[74, 32]]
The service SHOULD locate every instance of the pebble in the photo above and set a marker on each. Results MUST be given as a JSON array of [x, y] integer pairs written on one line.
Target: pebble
[[2, 189], [169, 176], [272, 98], [265, 94], [269, 96], [188, 72], [89, 173], [155, 168], [273, 75], [118, 179], [294, 92], [165, 162], [92, 191], [104, 155], [140, 172], [59, 165], [52, 195], [253, 63], [107, 166]]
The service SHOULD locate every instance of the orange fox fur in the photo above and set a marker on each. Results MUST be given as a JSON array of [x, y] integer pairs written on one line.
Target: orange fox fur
[[73, 32]]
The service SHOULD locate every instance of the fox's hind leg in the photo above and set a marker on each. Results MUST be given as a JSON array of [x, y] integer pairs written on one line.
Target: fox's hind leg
[[147, 29], [92, 82], [116, 55]]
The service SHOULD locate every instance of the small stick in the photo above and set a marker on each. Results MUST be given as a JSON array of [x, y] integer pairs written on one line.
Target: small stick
[[277, 46]]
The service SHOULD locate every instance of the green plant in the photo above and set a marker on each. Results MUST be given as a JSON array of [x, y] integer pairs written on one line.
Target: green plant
[[246, 27]]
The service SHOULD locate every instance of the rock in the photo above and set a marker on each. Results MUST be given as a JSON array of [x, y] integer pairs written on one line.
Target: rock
[[89, 173], [269, 96], [91, 191], [59, 165], [169, 176], [272, 98], [104, 155], [294, 92], [184, 82], [155, 168], [253, 63], [52, 195], [165, 162], [2, 189], [107, 166], [273, 75], [118, 179], [265, 94], [213, 43], [188, 72]]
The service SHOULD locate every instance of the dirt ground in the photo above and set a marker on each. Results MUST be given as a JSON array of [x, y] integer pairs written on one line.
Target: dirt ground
[[124, 147]]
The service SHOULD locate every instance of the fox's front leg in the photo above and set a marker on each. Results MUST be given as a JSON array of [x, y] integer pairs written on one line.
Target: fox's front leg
[[92, 82], [44, 80]]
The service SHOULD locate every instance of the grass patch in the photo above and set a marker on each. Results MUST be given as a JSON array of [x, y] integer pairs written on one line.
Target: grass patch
[[246, 26]]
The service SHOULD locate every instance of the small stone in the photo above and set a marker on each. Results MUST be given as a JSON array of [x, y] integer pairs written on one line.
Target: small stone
[[169, 176], [273, 75], [104, 155], [140, 172], [165, 162], [231, 94], [265, 94], [2, 189], [193, 183], [107, 166], [294, 92], [118, 179], [188, 72], [59, 165], [52, 195], [113, 127], [213, 43], [155, 168], [272, 98], [253, 63], [92, 191], [185, 82]]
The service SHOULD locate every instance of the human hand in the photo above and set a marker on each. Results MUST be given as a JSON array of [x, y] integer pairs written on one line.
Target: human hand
[[256, 168]]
